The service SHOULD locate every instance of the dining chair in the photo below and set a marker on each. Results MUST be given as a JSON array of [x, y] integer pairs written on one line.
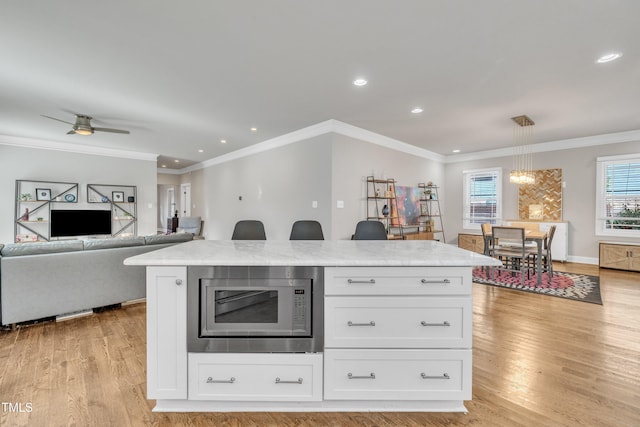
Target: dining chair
[[487, 237], [249, 230], [370, 230], [306, 230], [509, 245]]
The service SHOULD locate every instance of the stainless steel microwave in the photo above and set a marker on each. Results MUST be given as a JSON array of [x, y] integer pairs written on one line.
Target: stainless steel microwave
[[255, 309]]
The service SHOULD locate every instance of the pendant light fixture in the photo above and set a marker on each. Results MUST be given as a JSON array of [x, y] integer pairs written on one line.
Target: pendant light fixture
[[522, 172]]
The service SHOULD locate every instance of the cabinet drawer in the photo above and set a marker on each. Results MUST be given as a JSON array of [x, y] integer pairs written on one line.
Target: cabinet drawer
[[397, 374], [255, 377], [398, 322], [397, 280]]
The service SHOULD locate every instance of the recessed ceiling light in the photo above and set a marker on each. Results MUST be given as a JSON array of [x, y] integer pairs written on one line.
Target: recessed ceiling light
[[609, 57], [254, 129], [164, 166], [360, 82], [223, 141], [417, 110], [456, 151], [177, 161], [201, 151]]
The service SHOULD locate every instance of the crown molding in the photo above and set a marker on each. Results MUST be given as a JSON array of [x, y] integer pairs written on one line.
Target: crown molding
[[543, 147], [322, 128], [279, 141], [75, 148], [168, 171], [375, 138]]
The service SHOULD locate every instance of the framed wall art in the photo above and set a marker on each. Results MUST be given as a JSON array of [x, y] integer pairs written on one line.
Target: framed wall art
[[43, 194], [117, 196]]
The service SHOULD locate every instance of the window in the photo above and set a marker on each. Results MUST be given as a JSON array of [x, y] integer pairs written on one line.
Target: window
[[618, 197], [482, 197]]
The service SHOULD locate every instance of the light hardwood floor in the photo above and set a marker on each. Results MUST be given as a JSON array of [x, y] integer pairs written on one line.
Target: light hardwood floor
[[538, 361]]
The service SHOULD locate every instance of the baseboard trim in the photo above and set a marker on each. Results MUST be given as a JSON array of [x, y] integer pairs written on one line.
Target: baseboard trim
[[583, 260]]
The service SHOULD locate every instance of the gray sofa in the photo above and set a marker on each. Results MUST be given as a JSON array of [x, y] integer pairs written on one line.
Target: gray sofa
[[46, 279]]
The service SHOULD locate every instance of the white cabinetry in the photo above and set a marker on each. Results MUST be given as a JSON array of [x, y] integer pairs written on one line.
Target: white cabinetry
[[396, 338], [255, 377], [398, 322], [401, 333], [397, 374], [397, 281], [166, 332]]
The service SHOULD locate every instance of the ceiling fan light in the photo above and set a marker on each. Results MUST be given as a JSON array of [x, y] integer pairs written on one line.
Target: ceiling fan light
[[82, 131]]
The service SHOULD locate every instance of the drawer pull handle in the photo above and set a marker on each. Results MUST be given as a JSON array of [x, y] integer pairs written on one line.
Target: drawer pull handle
[[351, 281], [371, 376], [445, 323], [443, 281], [279, 381], [350, 323], [444, 376], [229, 381]]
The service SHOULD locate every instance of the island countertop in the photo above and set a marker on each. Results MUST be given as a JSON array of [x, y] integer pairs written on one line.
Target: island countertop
[[326, 253]]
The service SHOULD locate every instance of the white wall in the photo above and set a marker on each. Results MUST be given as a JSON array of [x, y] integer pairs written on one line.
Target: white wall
[[578, 197], [353, 160], [50, 165], [276, 186]]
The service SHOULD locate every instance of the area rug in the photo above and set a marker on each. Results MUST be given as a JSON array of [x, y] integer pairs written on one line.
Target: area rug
[[579, 287]]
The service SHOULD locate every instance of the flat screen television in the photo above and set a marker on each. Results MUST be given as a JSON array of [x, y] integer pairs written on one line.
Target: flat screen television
[[67, 223]]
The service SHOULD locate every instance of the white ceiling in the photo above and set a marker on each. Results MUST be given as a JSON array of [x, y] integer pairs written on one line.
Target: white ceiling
[[181, 75]]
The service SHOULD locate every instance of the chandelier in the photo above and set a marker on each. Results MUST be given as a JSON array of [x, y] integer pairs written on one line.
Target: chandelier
[[522, 172]]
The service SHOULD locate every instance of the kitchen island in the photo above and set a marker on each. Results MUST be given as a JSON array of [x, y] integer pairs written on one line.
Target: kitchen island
[[397, 330]]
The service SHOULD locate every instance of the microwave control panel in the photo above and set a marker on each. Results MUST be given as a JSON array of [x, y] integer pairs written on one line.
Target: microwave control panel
[[299, 310]]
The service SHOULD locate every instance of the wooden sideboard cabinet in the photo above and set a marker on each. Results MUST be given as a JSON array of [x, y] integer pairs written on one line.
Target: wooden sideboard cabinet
[[471, 242], [621, 256], [420, 235]]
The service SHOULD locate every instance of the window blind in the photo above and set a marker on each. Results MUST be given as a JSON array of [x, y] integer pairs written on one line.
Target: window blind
[[618, 198], [482, 197]]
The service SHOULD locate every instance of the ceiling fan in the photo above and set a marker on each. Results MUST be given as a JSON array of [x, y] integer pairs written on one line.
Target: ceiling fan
[[82, 126]]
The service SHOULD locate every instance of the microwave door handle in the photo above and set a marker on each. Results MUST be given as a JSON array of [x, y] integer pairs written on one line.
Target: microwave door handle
[[239, 297]]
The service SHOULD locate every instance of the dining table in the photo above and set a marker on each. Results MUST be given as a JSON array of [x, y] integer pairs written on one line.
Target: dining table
[[537, 236]]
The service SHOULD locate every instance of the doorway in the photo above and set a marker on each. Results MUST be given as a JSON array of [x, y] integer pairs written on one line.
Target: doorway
[[171, 201]]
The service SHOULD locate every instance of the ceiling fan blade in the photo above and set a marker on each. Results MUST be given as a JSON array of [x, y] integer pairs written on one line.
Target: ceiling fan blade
[[53, 118], [111, 130], [71, 132]]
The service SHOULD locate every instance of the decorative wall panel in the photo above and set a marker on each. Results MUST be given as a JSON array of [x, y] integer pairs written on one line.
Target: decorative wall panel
[[542, 200]]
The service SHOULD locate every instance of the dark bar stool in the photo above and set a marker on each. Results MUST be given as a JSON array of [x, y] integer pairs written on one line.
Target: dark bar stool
[[249, 230], [306, 230], [370, 230]]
